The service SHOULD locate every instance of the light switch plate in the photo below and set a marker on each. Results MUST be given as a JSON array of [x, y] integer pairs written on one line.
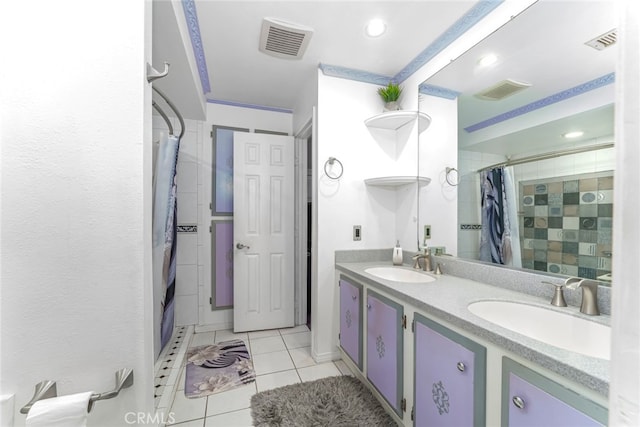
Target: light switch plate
[[357, 232]]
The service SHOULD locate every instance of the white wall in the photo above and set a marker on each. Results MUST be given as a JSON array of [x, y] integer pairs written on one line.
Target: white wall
[[76, 201], [343, 106], [439, 150], [221, 115]]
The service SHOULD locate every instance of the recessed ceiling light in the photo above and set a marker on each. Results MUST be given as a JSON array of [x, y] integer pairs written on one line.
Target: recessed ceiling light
[[487, 60], [375, 28], [574, 134]]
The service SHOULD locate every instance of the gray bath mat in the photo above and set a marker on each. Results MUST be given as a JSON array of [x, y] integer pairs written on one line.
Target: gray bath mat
[[334, 401]]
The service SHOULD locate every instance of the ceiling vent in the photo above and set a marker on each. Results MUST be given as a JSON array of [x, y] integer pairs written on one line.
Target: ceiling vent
[[604, 41], [501, 90], [284, 39]]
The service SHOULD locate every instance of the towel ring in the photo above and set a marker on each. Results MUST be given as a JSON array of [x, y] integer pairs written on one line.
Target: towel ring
[[330, 162], [448, 170]]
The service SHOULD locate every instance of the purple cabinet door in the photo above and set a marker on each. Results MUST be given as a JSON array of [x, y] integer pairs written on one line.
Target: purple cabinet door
[[532, 406], [385, 348], [351, 321], [444, 380]]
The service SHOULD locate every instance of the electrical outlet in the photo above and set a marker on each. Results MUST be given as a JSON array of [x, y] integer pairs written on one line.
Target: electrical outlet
[[357, 232], [427, 232]]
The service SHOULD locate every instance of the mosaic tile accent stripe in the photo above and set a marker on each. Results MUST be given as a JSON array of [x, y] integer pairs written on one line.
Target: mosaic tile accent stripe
[[187, 229], [552, 99], [191, 16], [567, 224], [440, 92], [251, 106], [352, 74], [470, 226]]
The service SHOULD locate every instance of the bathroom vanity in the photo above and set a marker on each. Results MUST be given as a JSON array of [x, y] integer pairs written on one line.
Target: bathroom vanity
[[431, 361]]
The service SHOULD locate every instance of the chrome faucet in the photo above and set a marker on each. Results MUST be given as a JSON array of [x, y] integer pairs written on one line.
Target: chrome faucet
[[589, 294], [426, 263]]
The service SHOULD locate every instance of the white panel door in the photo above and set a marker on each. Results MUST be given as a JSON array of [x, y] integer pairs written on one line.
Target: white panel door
[[263, 210]]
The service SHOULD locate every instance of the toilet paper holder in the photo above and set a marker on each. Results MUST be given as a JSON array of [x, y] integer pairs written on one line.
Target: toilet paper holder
[[48, 389]]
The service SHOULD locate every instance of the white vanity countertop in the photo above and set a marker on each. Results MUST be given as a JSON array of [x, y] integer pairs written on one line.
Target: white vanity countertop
[[447, 298]]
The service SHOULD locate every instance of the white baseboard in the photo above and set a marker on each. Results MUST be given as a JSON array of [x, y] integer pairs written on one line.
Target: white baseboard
[[326, 357]]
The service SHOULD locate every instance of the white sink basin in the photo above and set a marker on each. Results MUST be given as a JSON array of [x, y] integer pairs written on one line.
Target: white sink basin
[[558, 329], [397, 274]]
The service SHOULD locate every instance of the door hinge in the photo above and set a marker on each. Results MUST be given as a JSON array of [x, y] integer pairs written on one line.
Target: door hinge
[[210, 206], [404, 321], [210, 229], [403, 405], [413, 413], [338, 335], [210, 300], [211, 134]]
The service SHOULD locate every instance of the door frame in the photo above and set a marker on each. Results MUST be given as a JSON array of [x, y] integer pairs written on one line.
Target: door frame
[[300, 221]]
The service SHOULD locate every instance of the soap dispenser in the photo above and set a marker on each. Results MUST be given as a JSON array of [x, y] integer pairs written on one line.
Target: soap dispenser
[[397, 254]]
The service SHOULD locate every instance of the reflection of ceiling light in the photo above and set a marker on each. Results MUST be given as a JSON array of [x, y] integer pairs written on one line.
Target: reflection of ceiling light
[[574, 134], [375, 28], [487, 60]]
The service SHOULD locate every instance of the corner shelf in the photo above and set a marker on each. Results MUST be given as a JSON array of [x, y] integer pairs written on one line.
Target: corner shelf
[[394, 120], [397, 181]]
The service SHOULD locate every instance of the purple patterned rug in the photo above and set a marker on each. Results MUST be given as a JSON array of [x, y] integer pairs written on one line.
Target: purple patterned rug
[[217, 367]]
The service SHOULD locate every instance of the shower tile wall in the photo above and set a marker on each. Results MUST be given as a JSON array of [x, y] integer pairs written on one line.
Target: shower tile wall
[[567, 224]]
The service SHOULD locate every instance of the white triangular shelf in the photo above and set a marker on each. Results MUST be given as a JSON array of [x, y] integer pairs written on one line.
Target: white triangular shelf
[[397, 181], [394, 120]]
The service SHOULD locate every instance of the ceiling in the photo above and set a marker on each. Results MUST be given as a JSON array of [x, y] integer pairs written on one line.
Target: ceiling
[[239, 73]]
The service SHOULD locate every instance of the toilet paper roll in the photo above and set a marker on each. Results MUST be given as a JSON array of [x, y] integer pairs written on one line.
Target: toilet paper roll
[[64, 411]]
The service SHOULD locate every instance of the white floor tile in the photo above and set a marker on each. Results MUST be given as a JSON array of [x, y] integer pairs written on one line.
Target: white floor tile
[[294, 330], [231, 400], [187, 409], [231, 419], [265, 333], [316, 372], [302, 357], [268, 363], [267, 345], [297, 340], [228, 334], [343, 367], [278, 379], [203, 338]]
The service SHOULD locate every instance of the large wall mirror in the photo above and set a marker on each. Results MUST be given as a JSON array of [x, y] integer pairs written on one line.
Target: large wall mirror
[[531, 111]]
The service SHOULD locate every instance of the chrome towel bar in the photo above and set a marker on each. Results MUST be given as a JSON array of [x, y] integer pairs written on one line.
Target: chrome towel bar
[[47, 389]]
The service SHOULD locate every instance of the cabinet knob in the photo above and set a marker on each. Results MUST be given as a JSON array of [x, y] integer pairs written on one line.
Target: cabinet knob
[[353, 297], [461, 367], [518, 402], [369, 306]]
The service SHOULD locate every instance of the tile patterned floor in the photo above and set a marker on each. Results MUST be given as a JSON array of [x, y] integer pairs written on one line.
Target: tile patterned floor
[[280, 357]]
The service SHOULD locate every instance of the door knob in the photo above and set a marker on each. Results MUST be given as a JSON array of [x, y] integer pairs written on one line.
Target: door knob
[[242, 246]]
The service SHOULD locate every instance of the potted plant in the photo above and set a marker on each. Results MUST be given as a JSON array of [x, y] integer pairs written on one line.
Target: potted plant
[[390, 95]]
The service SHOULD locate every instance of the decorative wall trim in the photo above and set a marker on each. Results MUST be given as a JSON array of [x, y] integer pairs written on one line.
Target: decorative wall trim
[[552, 99], [440, 92], [481, 9], [191, 16], [253, 106], [470, 226], [187, 228], [352, 74]]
